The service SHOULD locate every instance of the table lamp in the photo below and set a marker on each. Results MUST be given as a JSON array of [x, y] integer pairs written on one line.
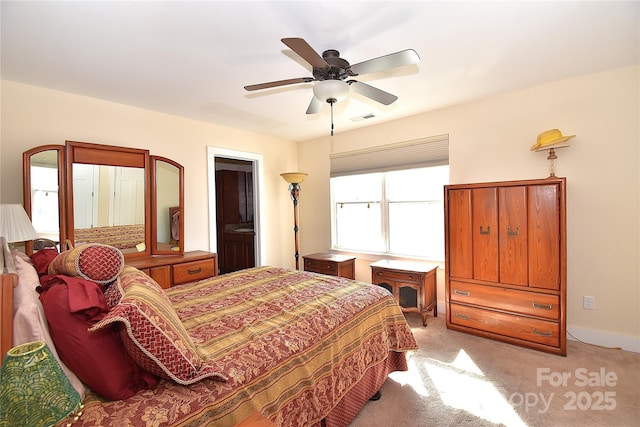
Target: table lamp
[[15, 225], [550, 140], [34, 391]]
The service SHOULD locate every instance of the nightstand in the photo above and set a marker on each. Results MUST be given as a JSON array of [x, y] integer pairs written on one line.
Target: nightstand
[[331, 264], [413, 284]]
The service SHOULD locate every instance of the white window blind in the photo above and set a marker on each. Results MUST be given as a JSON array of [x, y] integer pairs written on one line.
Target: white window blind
[[430, 151]]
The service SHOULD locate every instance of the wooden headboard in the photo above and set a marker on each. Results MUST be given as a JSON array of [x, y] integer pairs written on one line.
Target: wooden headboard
[[8, 280]]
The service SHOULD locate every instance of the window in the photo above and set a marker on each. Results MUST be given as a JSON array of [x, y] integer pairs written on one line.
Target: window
[[396, 212], [388, 199]]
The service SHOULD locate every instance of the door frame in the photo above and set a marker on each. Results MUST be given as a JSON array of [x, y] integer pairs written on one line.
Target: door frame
[[257, 167]]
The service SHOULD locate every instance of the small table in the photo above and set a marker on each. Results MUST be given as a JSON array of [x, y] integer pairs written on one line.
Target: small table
[[331, 264], [413, 284]]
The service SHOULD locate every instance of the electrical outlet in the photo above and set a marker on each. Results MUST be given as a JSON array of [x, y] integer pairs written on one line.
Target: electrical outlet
[[588, 302]]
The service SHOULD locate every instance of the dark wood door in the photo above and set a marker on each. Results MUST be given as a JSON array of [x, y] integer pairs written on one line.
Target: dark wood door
[[234, 199], [229, 197], [238, 252]]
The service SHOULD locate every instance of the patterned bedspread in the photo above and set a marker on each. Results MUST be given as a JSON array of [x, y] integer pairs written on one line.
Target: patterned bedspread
[[120, 236], [291, 343]]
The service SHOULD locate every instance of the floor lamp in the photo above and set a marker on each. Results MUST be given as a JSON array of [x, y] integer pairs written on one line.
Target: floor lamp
[[294, 179]]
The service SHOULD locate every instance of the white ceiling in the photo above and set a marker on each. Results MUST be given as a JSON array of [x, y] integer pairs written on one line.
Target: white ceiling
[[193, 59]]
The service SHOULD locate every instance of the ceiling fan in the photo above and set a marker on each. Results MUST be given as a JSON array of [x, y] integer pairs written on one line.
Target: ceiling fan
[[334, 74]]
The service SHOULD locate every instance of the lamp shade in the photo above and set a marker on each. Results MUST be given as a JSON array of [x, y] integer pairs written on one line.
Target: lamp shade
[[326, 90], [34, 390], [15, 225], [294, 177]]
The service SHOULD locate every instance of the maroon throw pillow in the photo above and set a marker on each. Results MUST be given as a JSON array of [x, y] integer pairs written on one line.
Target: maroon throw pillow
[[42, 259], [97, 358]]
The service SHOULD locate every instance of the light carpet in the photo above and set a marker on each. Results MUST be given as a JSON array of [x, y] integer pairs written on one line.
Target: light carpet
[[458, 379]]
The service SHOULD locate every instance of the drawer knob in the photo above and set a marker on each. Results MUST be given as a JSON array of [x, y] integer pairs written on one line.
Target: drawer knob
[[462, 316], [463, 293], [542, 306], [487, 231], [542, 333], [195, 271]]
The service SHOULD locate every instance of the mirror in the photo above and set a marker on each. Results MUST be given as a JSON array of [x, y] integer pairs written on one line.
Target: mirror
[[106, 194], [109, 205], [167, 185], [108, 198], [43, 192]]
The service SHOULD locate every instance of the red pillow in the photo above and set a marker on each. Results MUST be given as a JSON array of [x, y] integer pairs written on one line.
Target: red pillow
[[72, 306], [42, 259], [92, 261]]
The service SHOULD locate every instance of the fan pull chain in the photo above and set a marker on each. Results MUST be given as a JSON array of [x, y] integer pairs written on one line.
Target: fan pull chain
[[331, 103]]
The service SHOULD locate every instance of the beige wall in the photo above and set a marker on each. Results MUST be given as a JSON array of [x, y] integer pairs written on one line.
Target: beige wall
[[33, 116], [489, 140]]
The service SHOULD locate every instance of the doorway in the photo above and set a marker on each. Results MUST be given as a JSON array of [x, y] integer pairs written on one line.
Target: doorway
[[234, 208]]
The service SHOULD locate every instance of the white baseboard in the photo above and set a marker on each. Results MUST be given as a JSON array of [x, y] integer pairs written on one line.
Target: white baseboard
[[590, 336], [442, 308], [603, 338]]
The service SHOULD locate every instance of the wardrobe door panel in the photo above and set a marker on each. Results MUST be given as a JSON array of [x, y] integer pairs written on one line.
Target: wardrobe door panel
[[544, 229], [513, 235], [460, 237], [485, 233]]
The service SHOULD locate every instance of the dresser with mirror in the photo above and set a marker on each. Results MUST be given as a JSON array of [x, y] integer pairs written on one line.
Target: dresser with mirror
[[83, 192]]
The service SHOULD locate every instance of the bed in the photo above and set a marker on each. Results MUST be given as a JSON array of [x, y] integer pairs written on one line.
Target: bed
[[294, 347], [123, 237]]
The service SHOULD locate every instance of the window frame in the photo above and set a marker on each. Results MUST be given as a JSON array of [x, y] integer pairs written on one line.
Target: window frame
[[385, 225]]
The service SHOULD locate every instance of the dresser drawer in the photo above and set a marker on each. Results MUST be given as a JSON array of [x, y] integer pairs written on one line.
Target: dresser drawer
[[524, 302], [162, 275], [192, 271], [322, 267], [508, 325]]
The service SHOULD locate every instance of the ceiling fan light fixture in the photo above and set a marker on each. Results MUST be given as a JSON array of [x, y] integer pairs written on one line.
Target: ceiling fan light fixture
[[331, 91], [330, 72]]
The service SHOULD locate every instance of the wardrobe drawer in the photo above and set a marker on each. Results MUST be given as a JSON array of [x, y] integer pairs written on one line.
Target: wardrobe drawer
[[192, 271], [508, 325], [524, 302]]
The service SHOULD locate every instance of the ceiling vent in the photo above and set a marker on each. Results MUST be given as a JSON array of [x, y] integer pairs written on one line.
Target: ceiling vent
[[360, 118]]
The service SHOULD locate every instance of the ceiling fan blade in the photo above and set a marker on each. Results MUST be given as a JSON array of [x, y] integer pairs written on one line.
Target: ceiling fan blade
[[373, 93], [398, 59], [314, 106], [279, 83], [302, 48]]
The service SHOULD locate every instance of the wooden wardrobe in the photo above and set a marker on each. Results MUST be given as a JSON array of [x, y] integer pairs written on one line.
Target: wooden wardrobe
[[505, 261]]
